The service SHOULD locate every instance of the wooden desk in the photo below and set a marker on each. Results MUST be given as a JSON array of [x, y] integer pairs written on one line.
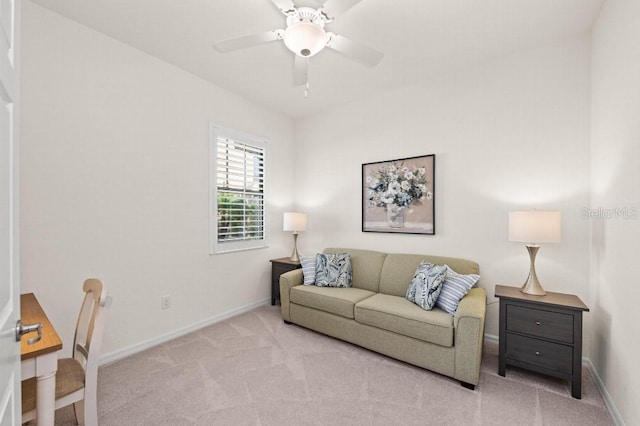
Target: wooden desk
[[40, 360]]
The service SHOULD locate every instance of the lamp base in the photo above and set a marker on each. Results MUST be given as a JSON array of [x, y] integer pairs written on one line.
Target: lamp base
[[532, 285], [294, 255]]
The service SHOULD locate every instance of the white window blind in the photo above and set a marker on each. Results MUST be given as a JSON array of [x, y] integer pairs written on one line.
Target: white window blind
[[238, 187]]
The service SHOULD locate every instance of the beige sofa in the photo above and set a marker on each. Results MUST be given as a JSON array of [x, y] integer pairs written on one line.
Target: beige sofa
[[375, 314]]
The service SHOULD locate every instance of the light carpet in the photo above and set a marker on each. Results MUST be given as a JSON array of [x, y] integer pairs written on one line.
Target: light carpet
[[253, 369]]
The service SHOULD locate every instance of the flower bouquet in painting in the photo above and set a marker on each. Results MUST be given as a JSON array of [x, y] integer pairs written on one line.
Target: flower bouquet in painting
[[396, 189]]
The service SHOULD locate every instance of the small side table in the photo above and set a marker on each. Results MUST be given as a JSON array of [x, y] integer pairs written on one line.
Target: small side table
[[279, 267], [542, 334]]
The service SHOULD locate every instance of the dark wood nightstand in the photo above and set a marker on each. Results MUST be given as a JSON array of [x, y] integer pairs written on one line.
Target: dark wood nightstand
[[279, 267], [542, 334]]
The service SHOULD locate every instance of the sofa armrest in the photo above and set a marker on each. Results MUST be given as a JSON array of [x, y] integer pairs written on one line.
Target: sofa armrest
[[468, 322], [473, 304], [287, 281]]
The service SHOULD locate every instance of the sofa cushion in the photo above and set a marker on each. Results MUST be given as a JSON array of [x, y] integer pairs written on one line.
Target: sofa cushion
[[335, 300], [398, 270], [366, 266], [333, 270], [308, 264], [397, 273], [411, 291], [455, 287], [397, 314], [428, 283]]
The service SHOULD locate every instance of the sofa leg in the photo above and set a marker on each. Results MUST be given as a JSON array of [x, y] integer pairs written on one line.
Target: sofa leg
[[468, 385], [287, 322]]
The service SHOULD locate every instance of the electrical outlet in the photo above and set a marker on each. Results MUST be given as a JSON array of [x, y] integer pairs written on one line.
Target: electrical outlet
[[166, 302]]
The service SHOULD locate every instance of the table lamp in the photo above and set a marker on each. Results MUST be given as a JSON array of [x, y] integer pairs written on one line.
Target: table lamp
[[294, 222], [534, 227]]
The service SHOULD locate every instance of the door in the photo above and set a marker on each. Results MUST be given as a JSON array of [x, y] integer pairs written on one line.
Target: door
[[10, 410]]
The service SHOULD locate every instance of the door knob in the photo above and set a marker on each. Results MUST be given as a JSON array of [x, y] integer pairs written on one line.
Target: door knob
[[22, 329]]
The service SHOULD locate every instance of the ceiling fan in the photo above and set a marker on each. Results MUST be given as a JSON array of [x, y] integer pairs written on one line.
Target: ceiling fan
[[305, 36]]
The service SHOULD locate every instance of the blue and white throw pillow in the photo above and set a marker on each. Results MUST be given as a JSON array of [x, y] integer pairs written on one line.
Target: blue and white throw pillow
[[411, 291], [308, 269], [428, 284], [333, 270], [455, 287]]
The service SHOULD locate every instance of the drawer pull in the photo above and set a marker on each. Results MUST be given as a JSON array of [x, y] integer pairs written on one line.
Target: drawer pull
[[538, 323], [537, 353]]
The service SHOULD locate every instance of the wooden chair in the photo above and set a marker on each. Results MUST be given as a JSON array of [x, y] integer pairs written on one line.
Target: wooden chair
[[77, 377]]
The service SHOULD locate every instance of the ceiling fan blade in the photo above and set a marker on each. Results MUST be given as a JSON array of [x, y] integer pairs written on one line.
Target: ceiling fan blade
[[300, 70], [248, 41], [332, 8], [286, 6], [354, 50]]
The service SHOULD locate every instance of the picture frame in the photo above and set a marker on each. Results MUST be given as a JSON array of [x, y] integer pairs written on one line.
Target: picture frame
[[398, 196]]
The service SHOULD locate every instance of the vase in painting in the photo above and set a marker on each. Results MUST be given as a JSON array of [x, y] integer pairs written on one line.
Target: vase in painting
[[395, 216]]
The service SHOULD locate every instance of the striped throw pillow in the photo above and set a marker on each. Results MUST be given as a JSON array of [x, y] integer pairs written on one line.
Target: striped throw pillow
[[454, 289], [308, 269]]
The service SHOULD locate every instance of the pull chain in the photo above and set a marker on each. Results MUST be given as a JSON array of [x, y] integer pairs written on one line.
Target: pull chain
[[306, 90]]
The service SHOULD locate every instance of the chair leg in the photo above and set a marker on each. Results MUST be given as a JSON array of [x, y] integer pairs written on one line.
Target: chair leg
[[78, 409], [90, 411]]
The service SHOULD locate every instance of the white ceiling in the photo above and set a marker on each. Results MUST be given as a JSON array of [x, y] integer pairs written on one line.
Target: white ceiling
[[420, 39]]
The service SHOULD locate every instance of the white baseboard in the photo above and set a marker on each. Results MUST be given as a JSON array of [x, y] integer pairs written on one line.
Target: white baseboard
[[608, 401], [139, 347]]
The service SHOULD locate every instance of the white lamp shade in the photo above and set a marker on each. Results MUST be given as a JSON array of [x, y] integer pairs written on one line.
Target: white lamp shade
[[294, 222], [305, 38], [535, 226]]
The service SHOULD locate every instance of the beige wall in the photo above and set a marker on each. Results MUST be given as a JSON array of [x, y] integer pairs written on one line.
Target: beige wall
[[615, 179], [114, 184], [509, 134]]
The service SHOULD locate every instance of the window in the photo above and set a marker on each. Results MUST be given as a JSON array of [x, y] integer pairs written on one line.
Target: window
[[237, 183]]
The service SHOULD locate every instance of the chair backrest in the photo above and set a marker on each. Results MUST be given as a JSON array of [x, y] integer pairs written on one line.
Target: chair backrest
[[88, 336]]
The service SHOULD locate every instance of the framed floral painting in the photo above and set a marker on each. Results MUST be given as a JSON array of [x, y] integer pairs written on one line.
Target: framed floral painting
[[398, 195]]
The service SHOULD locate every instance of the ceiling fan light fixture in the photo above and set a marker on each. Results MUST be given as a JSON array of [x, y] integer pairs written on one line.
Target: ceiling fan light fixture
[[305, 38]]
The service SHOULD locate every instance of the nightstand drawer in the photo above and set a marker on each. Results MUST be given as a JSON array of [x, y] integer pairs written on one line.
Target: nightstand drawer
[[539, 322], [552, 356]]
